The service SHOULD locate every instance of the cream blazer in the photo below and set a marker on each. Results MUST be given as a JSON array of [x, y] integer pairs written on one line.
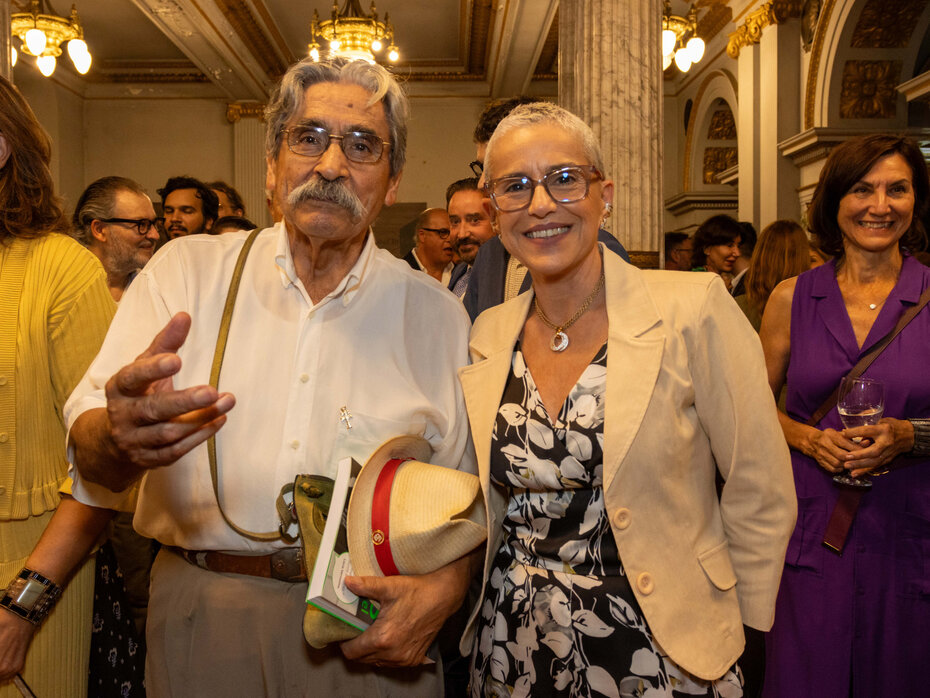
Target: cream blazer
[[686, 393]]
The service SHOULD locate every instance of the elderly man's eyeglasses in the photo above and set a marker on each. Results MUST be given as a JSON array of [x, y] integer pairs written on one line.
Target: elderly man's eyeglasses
[[313, 141], [443, 233], [142, 225], [477, 167], [565, 185]]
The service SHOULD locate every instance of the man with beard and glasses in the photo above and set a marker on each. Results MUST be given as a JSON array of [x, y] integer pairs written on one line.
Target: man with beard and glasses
[[471, 226], [115, 220], [190, 207], [325, 360]]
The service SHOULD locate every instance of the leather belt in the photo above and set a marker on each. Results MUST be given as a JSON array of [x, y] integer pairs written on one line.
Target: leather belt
[[286, 565]]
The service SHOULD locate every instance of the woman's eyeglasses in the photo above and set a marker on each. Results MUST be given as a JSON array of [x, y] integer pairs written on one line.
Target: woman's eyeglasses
[[564, 185]]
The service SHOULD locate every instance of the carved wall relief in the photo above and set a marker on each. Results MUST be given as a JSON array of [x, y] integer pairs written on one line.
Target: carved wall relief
[[869, 89], [716, 160], [887, 23], [722, 126]]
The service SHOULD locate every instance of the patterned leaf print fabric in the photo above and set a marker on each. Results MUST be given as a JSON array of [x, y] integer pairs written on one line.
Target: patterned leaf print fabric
[[559, 617]]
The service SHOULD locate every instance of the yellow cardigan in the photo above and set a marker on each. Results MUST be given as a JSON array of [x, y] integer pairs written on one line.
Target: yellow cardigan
[[55, 308], [686, 395]]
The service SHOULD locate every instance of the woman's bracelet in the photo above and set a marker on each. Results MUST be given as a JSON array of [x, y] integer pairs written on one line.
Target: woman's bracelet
[[30, 596], [921, 437]]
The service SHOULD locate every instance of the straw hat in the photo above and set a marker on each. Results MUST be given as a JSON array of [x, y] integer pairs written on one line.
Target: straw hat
[[411, 517]]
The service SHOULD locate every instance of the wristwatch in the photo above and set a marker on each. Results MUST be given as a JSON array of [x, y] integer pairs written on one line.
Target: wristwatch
[[30, 596]]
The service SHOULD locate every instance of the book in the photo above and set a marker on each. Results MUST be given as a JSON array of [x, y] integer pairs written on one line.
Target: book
[[327, 590]]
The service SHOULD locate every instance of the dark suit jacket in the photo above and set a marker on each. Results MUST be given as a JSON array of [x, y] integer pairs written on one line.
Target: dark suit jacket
[[457, 270], [739, 288], [409, 259], [486, 284]]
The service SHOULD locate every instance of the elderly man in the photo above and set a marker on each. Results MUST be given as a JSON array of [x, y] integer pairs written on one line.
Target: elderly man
[[322, 362], [115, 220], [433, 250]]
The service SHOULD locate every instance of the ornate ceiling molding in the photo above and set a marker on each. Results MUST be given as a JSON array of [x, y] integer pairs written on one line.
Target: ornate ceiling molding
[[775, 12], [246, 26], [133, 72]]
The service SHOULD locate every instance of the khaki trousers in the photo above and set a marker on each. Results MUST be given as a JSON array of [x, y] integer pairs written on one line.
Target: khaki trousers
[[211, 634]]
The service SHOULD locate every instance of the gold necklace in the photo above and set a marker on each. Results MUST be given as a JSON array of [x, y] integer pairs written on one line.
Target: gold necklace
[[560, 339]]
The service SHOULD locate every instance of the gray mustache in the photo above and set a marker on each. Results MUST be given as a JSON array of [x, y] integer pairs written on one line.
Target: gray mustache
[[334, 192]]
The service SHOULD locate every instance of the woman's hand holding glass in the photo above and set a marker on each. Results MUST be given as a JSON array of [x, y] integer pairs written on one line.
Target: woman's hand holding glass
[[860, 402], [881, 443]]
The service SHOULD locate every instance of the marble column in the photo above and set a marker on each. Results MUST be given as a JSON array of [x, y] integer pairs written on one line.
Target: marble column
[[6, 41], [249, 159], [610, 75]]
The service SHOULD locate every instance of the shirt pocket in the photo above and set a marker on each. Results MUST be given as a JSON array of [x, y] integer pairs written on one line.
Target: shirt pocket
[[368, 432], [805, 548]]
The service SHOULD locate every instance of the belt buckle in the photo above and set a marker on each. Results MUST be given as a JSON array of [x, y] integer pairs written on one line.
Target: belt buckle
[[287, 565]]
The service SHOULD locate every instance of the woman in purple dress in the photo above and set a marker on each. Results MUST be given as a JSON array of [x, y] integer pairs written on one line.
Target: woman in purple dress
[[856, 624]]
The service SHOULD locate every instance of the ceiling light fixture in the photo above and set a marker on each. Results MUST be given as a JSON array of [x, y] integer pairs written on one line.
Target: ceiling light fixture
[[352, 34], [42, 32], [675, 31]]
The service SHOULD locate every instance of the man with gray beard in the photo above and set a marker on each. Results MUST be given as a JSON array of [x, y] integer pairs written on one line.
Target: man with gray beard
[[325, 360], [115, 220]]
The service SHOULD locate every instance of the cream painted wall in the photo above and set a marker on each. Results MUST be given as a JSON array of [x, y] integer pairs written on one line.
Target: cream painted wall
[[60, 111], [152, 140], [439, 146]]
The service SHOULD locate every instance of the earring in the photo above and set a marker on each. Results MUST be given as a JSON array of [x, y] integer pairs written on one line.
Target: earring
[[607, 209]]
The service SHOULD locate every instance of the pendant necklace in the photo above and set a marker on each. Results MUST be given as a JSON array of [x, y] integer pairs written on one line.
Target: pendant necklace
[[560, 339]]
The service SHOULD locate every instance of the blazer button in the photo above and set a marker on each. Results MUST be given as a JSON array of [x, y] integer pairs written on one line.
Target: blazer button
[[623, 518], [645, 583]]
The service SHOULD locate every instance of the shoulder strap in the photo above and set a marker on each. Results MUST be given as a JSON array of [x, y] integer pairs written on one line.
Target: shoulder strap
[[221, 338], [872, 354]]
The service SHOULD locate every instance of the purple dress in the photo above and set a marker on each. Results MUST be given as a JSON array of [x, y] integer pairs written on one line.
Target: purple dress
[[857, 624]]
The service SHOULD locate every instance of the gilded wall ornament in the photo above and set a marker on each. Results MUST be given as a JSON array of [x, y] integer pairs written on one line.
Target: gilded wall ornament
[[809, 16], [887, 23], [244, 110], [775, 12], [868, 90], [722, 126], [716, 160]]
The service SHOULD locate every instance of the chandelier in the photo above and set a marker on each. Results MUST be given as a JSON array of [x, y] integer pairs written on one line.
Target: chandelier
[[352, 34], [675, 30], [42, 32]]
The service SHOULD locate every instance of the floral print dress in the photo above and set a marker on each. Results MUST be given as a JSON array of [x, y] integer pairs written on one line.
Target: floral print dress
[[559, 617]]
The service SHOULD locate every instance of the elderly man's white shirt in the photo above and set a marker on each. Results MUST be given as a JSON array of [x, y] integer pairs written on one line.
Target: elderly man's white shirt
[[385, 344]]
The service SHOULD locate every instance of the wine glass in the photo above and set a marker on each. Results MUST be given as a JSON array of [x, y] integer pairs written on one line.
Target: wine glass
[[861, 401]]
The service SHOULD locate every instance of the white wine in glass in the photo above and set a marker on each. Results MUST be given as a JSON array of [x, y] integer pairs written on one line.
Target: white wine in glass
[[861, 401]]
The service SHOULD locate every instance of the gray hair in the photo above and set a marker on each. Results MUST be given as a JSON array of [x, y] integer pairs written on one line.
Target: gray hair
[[97, 202], [288, 98], [545, 113]]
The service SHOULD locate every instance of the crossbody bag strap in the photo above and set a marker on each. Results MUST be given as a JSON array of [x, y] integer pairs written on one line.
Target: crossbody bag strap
[[844, 511], [872, 354], [218, 354]]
